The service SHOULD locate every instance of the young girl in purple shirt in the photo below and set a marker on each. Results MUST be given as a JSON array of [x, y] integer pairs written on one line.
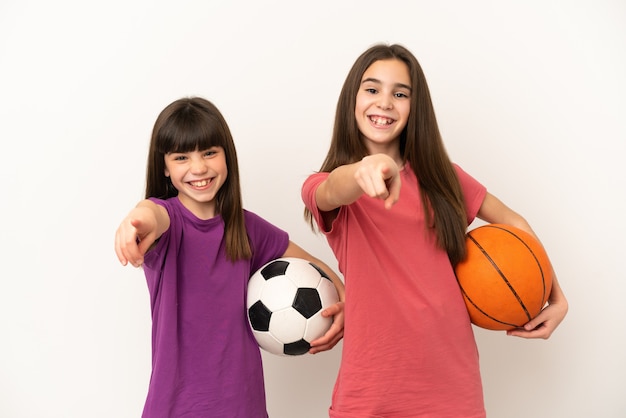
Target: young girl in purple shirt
[[198, 248]]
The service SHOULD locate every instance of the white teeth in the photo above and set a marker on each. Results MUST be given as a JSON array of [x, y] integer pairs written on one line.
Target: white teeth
[[381, 121], [201, 183]]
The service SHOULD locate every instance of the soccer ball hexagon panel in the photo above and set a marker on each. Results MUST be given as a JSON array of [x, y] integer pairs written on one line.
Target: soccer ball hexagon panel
[[285, 300]]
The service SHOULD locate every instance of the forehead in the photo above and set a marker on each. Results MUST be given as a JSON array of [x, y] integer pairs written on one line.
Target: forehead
[[392, 71]]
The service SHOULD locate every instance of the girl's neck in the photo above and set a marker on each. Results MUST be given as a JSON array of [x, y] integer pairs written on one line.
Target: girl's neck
[[391, 149], [200, 210]]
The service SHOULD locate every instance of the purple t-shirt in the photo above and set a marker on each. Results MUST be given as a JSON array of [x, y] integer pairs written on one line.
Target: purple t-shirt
[[205, 360]]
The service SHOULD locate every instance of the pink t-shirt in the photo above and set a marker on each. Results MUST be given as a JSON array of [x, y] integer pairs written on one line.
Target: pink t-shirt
[[409, 348]]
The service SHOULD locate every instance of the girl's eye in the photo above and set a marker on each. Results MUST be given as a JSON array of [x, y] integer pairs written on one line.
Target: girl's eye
[[180, 157], [401, 95], [371, 90]]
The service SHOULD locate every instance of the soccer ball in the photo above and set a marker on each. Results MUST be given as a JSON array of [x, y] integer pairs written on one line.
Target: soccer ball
[[285, 301]]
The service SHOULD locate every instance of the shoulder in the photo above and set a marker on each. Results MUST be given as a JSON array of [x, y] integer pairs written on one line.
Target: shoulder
[[268, 241], [465, 178], [157, 201], [313, 180], [169, 204], [252, 218], [459, 171], [474, 192], [164, 207], [256, 224], [310, 185]]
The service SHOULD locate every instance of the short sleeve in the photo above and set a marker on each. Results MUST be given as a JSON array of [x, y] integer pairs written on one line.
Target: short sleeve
[[268, 241], [473, 193], [308, 197]]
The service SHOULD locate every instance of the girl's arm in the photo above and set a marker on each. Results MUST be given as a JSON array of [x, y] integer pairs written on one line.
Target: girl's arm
[[376, 175], [139, 230], [335, 333], [543, 325]]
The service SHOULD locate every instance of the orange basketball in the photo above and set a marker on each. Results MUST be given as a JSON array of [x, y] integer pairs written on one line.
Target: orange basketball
[[506, 277]]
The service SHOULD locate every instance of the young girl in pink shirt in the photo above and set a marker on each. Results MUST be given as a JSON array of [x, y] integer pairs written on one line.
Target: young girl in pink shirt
[[395, 211]]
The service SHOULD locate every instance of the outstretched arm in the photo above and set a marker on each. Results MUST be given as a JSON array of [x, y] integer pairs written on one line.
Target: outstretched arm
[[543, 325], [139, 230], [376, 175], [335, 333]]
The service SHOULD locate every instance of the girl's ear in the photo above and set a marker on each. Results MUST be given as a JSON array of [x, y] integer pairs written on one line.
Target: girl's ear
[[166, 172]]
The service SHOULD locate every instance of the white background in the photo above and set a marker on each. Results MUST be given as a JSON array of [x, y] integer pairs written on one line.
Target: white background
[[530, 98]]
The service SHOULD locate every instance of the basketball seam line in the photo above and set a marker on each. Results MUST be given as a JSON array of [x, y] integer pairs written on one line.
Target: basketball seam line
[[501, 274], [543, 278]]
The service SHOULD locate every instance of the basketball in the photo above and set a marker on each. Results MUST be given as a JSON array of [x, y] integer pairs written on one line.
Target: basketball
[[506, 277]]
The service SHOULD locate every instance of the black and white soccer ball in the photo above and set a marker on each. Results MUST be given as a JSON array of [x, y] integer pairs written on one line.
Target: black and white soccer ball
[[285, 301]]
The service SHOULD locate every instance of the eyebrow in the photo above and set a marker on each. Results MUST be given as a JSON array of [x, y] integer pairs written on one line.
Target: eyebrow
[[375, 80]]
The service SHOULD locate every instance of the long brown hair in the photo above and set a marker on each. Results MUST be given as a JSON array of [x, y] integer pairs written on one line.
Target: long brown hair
[[420, 145], [190, 124]]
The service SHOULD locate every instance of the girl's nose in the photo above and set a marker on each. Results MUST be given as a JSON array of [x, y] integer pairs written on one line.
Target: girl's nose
[[198, 165], [384, 102]]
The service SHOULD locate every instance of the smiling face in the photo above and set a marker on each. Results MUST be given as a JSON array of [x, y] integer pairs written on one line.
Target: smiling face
[[198, 176], [383, 105]]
